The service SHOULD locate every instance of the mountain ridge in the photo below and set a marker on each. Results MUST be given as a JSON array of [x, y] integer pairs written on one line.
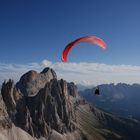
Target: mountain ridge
[[122, 99], [46, 108]]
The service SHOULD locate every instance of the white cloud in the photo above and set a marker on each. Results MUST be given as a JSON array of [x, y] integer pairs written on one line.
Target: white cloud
[[82, 73]]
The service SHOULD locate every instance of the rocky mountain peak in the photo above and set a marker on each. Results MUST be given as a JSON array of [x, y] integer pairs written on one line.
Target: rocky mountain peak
[[39, 103], [49, 71], [31, 82]]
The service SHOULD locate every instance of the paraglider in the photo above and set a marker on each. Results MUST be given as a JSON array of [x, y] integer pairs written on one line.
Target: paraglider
[[91, 39], [97, 91]]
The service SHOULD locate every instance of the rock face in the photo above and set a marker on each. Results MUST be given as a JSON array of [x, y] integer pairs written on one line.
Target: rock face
[[5, 121], [31, 82], [39, 103], [72, 88]]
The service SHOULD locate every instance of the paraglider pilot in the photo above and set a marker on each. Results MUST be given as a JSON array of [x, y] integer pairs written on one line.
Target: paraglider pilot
[[97, 92]]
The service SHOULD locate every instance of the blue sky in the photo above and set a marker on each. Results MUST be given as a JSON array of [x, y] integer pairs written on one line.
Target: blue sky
[[33, 30]]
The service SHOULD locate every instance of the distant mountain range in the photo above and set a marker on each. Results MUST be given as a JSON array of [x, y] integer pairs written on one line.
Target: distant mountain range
[[41, 107], [121, 99]]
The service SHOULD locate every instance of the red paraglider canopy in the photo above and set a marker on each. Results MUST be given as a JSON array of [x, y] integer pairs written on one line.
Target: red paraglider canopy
[[91, 39]]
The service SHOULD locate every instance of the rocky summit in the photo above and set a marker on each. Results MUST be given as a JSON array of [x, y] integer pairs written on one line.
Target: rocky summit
[[41, 107]]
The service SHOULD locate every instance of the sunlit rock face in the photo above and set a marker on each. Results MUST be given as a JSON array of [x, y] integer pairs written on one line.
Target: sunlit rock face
[[39, 103]]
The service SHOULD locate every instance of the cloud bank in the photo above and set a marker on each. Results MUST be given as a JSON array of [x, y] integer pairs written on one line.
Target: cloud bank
[[80, 73]]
